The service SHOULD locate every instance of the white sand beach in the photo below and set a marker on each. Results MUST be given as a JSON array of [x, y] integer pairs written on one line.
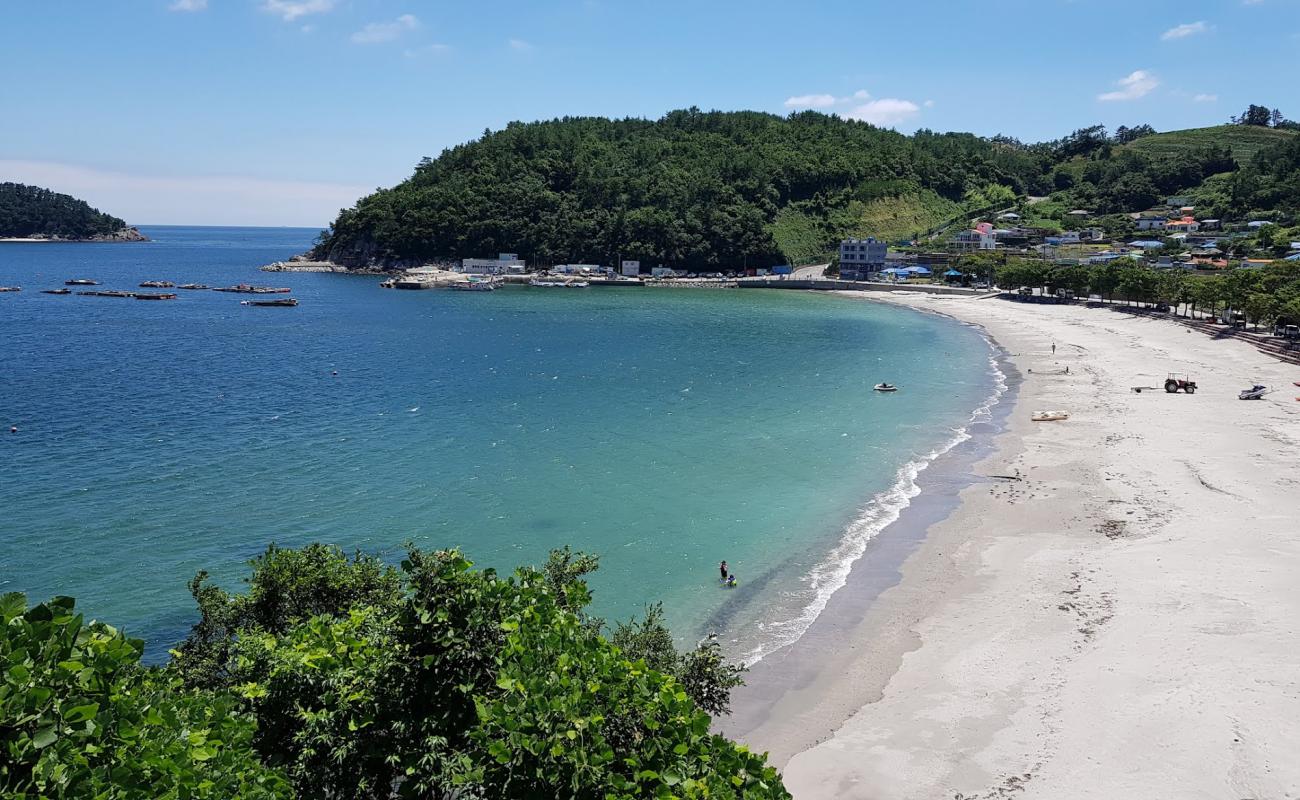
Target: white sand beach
[[1122, 622]]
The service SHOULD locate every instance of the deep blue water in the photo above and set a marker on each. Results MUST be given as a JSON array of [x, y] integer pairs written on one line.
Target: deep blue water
[[664, 430]]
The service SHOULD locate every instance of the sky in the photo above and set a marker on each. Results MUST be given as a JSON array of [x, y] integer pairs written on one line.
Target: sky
[[281, 112]]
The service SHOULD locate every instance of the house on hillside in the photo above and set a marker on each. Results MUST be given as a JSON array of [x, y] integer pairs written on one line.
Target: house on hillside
[[1010, 215], [1151, 223], [1211, 224], [1146, 244], [975, 240], [859, 258], [1184, 225]]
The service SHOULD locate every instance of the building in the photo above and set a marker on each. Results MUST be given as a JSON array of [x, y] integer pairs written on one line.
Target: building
[[630, 269], [976, 240], [859, 258], [1152, 223], [1066, 237], [1184, 225], [503, 263]]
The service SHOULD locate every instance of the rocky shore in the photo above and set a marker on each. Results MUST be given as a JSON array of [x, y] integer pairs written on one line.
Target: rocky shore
[[124, 235]]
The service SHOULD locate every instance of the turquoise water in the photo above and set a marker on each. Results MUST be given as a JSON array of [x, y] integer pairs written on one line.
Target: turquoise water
[[662, 429]]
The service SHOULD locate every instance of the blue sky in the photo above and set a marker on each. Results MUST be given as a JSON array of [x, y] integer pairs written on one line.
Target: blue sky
[[281, 111]]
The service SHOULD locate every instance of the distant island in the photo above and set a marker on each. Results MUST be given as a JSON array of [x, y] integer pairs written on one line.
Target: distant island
[[706, 190], [30, 212]]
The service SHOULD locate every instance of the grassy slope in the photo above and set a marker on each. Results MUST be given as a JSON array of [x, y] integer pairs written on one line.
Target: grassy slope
[[1243, 140], [806, 240]]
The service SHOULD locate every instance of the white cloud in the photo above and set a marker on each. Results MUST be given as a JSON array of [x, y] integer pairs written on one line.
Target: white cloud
[[378, 32], [188, 5], [290, 10], [886, 111], [520, 46], [1185, 30], [1139, 83], [860, 106], [1205, 98], [192, 200], [811, 101]]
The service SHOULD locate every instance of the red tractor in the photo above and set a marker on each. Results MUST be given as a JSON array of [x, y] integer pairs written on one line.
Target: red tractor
[[1175, 382]]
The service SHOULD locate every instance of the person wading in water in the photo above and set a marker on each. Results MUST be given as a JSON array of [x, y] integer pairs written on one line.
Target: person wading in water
[[723, 569]]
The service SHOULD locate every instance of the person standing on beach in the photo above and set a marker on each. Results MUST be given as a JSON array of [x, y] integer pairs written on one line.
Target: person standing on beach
[[723, 569], [1053, 348]]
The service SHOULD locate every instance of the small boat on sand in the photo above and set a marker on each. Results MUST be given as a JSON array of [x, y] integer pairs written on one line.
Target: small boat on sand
[[155, 296], [81, 282], [1050, 416], [157, 285], [194, 286], [885, 387], [56, 291], [284, 302]]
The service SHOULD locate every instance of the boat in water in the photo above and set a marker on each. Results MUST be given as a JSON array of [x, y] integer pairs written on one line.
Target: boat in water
[[81, 282], [283, 302], [155, 296], [56, 291], [194, 286], [244, 288], [11, 288], [157, 285], [558, 284], [107, 293], [475, 285], [885, 387]]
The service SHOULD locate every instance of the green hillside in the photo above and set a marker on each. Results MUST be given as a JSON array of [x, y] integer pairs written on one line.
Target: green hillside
[[30, 211], [720, 190], [805, 238], [1244, 141]]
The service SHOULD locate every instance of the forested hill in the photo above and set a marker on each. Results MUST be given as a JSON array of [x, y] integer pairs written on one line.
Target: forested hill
[[33, 212], [726, 189]]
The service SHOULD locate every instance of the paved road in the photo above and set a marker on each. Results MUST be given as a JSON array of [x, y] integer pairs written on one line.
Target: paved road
[[810, 273]]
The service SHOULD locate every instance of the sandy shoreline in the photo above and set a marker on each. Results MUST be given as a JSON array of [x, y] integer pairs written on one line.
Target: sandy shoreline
[[1122, 622]]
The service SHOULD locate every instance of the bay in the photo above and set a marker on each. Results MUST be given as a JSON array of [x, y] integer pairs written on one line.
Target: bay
[[664, 430]]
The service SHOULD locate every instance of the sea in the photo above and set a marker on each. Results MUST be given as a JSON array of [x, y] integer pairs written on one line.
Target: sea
[[662, 430]]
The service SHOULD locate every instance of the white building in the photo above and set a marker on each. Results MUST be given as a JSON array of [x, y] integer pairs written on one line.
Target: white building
[[631, 269], [976, 240], [503, 263], [1151, 223]]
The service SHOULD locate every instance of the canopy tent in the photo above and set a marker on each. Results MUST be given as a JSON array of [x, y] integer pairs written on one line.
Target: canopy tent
[[919, 270], [952, 273]]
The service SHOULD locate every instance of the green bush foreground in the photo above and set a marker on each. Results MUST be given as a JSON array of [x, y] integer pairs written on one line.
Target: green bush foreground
[[339, 677]]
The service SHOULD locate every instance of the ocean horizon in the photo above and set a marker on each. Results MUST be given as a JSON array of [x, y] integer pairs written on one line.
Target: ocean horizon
[[663, 431]]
